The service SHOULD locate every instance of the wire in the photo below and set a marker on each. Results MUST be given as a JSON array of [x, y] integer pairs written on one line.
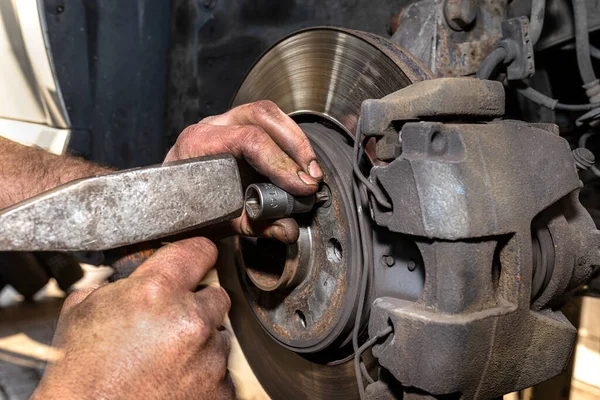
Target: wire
[[379, 197], [594, 51], [536, 21], [363, 283], [361, 186], [553, 104], [365, 373], [358, 354], [582, 41], [491, 62]]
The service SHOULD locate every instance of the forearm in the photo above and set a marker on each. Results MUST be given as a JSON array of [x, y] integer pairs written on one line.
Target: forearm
[[27, 171]]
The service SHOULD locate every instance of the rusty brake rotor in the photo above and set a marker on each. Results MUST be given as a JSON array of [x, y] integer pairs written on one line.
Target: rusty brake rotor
[[295, 338]]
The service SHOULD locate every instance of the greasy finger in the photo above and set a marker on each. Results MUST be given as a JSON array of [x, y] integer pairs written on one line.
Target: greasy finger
[[285, 230], [180, 265], [213, 305], [282, 129], [250, 142]]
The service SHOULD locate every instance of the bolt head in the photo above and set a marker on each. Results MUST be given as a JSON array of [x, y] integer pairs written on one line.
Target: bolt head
[[411, 265], [388, 260]]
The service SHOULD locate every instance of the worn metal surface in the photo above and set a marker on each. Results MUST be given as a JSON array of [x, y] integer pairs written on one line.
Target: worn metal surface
[[424, 31], [271, 265], [125, 207], [423, 28], [467, 195], [326, 298], [317, 313], [325, 80], [460, 14], [328, 72], [436, 98]]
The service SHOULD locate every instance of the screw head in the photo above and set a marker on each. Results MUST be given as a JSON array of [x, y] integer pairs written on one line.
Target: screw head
[[411, 265], [388, 260]]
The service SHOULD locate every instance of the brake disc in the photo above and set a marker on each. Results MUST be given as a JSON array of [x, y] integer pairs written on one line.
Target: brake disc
[[296, 340]]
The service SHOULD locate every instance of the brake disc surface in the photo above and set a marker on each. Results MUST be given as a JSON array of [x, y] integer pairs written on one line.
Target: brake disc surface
[[320, 74]]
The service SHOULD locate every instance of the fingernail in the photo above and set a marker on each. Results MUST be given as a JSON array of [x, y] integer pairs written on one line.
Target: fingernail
[[314, 169], [307, 179]]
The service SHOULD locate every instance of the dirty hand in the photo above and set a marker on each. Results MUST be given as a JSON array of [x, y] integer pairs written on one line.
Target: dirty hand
[[147, 336], [271, 142]]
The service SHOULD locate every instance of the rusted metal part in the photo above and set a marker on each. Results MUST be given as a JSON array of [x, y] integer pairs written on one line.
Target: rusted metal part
[[272, 265], [423, 30], [126, 207], [315, 312], [460, 14], [468, 202], [395, 23], [436, 98], [412, 67]]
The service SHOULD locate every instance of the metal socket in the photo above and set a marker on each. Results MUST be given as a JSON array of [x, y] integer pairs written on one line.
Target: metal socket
[[267, 201]]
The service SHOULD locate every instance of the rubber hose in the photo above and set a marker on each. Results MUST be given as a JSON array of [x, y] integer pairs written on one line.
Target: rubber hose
[[538, 97], [553, 104], [536, 21], [491, 62], [582, 42], [594, 51]]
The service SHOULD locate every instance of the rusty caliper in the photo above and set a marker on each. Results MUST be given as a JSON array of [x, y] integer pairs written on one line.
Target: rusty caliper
[[493, 208]]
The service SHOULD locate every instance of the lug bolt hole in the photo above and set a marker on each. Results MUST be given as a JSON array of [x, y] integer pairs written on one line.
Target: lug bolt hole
[[334, 250], [300, 319]]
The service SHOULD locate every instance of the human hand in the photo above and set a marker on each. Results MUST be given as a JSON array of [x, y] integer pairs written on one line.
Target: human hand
[[147, 336], [271, 142]]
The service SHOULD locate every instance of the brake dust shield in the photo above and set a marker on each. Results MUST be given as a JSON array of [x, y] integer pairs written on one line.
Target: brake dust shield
[[322, 73]]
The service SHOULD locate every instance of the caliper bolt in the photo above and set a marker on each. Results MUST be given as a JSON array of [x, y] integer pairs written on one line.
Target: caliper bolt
[[584, 158], [388, 260]]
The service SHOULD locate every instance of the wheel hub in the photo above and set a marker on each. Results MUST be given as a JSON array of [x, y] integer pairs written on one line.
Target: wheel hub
[[305, 295]]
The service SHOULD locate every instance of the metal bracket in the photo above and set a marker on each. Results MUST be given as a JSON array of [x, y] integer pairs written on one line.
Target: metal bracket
[[442, 98]]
